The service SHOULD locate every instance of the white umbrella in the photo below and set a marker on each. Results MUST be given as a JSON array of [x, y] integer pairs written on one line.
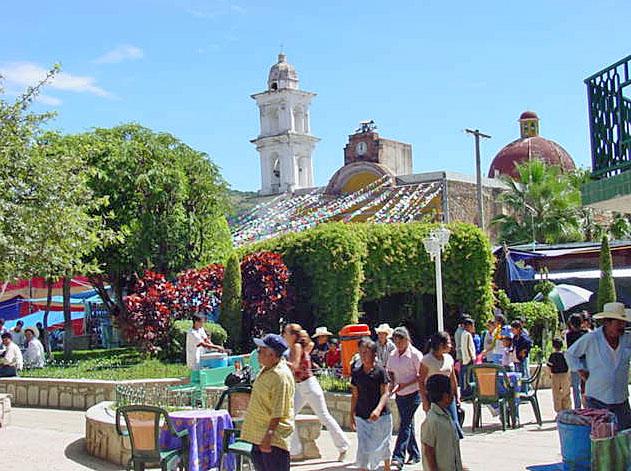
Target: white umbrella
[[567, 296]]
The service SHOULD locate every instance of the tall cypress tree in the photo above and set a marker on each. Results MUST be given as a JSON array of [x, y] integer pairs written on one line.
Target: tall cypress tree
[[231, 301], [606, 286]]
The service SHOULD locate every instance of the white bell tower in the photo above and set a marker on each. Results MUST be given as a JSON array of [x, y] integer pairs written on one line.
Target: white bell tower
[[285, 143]]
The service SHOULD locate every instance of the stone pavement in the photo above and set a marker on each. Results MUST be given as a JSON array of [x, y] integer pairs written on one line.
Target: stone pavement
[[52, 440]]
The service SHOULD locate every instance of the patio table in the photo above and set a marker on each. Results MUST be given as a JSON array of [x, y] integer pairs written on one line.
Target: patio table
[[205, 431]]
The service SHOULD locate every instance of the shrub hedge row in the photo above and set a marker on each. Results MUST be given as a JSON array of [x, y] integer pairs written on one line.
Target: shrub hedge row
[[335, 265]]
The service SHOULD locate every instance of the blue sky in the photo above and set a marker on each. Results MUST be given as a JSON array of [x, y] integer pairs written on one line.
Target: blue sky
[[422, 70]]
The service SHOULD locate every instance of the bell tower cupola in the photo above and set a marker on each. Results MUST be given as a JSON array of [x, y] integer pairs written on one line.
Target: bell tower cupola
[[284, 143]]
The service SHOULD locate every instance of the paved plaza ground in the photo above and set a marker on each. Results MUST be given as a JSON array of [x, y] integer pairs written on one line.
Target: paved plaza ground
[[39, 439]]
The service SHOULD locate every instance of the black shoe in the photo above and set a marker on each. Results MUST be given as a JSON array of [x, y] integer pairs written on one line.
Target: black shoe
[[396, 465], [413, 461]]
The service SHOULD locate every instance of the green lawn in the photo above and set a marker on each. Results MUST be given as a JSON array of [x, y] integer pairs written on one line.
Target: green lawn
[[115, 364]]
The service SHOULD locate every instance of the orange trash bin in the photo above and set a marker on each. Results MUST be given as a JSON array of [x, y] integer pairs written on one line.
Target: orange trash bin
[[348, 337]]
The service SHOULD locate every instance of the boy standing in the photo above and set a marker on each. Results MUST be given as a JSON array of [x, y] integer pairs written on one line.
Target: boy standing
[[560, 377], [441, 444]]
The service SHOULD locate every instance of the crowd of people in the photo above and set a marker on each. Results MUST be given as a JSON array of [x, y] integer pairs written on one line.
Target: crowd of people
[[391, 366], [21, 348], [593, 371]]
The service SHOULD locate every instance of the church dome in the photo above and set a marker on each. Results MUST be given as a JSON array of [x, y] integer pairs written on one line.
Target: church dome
[[282, 75], [529, 146]]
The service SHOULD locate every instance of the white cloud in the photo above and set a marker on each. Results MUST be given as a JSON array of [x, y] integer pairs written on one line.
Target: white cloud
[[25, 74], [119, 54], [48, 100]]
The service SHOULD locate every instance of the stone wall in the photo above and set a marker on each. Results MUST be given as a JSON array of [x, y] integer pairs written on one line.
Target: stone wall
[[5, 410], [79, 394]]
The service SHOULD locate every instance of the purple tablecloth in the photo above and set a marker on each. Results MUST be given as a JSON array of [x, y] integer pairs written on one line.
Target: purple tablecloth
[[205, 431]]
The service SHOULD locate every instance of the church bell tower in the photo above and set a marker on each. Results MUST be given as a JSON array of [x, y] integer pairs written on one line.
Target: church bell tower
[[284, 143]]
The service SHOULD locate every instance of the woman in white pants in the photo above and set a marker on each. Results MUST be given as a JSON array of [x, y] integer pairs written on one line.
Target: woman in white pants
[[308, 391]]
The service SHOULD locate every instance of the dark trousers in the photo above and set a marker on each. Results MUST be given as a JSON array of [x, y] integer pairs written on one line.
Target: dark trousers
[[622, 410], [276, 460], [406, 441], [7, 371]]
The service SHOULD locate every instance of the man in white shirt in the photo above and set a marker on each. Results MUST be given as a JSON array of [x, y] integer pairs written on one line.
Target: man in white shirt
[[11, 360], [196, 342]]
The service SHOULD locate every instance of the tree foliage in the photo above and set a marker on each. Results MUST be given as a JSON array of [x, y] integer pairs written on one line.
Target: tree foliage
[[606, 286], [231, 301], [48, 225], [165, 204], [543, 205]]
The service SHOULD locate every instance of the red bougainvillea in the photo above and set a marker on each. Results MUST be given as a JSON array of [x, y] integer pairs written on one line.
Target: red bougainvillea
[[199, 290], [148, 316], [266, 294]]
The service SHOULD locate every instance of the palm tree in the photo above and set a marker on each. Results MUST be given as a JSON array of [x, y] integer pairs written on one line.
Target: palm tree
[[543, 206]]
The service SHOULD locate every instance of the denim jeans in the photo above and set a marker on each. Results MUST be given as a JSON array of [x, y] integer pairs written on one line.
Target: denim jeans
[[576, 389], [453, 412], [406, 441], [462, 379]]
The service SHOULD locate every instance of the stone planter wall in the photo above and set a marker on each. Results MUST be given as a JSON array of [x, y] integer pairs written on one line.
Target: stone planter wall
[[78, 394], [5, 410]]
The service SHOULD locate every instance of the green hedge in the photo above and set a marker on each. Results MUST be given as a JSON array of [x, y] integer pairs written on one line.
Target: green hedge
[[335, 265], [177, 346], [326, 267]]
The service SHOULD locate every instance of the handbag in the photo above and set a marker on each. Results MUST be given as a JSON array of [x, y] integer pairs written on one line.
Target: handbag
[[237, 378]]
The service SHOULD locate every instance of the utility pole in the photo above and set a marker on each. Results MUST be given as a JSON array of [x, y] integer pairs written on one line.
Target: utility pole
[[478, 172]]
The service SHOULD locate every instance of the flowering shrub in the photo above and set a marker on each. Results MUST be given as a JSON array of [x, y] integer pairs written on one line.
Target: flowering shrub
[[199, 291], [266, 295], [146, 321]]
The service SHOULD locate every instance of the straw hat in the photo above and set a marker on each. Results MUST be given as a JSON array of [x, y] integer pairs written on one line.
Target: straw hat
[[614, 311], [384, 328], [33, 329], [320, 331]]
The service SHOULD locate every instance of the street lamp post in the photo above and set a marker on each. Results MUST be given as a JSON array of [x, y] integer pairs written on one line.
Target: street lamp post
[[434, 244]]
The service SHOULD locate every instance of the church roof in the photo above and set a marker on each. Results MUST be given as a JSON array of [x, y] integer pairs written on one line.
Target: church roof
[[282, 74], [529, 146]]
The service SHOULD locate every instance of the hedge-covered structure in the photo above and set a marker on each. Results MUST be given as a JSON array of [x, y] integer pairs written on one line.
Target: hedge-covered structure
[[335, 266]]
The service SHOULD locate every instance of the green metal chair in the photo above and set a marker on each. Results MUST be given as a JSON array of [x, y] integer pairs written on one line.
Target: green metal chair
[[532, 386], [238, 398], [486, 379], [143, 426], [238, 447]]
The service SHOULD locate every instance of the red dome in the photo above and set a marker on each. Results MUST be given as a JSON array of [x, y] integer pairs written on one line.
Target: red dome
[[529, 115], [524, 149]]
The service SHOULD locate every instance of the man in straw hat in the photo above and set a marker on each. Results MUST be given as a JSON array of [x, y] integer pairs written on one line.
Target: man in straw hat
[[605, 368], [385, 346], [318, 355]]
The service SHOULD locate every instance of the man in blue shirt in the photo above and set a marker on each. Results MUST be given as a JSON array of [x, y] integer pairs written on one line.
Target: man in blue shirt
[[607, 352]]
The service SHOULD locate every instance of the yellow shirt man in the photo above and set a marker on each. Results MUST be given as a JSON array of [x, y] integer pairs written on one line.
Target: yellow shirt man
[[272, 398]]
